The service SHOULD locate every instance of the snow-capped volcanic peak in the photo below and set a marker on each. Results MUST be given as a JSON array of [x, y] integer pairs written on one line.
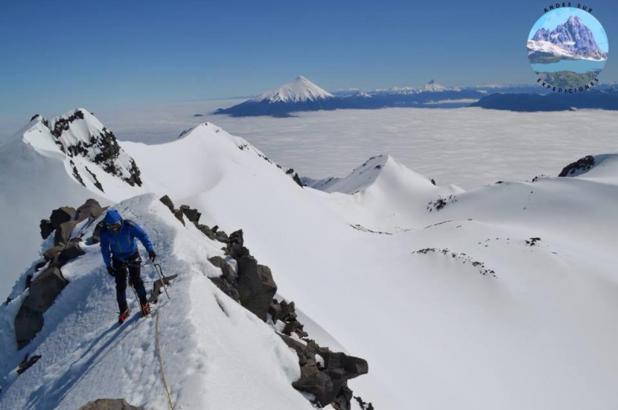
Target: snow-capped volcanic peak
[[299, 90], [85, 144]]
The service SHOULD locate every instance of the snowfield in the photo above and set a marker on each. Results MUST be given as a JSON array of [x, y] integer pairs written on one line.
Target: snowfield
[[499, 297]]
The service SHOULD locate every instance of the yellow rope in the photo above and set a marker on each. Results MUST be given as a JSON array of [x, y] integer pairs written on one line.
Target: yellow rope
[[161, 368]]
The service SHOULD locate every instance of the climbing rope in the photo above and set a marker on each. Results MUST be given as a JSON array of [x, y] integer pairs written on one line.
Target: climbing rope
[[161, 366]]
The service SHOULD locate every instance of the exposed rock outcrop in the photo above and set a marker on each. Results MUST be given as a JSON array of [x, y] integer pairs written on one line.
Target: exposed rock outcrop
[[44, 287], [42, 293], [193, 216], [109, 404], [80, 134], [27, 363], [254, 283], [578, 167], [324, 374]]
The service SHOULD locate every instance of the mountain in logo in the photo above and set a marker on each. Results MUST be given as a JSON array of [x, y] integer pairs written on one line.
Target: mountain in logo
[[572, 40]]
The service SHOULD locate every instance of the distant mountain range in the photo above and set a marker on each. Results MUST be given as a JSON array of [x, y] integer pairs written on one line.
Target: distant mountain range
[[304, 95], [604, 98], [572, 40]]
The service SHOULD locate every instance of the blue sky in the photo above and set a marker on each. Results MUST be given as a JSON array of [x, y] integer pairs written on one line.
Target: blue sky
[[559, 16], [100, 54]]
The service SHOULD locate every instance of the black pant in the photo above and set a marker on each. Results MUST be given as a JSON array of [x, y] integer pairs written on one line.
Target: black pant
[[132, 266]]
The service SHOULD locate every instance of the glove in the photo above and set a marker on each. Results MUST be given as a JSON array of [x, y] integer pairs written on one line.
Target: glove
[[111, 271], [152, 256]]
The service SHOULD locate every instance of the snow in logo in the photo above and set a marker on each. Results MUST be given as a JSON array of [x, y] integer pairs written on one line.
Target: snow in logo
[[567, 48]]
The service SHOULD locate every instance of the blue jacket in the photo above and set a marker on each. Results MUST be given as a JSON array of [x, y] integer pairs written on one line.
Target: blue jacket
[[121, 245]]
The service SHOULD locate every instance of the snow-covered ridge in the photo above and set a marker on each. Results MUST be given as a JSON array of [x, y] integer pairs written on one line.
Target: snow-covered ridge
[[365, 175], [299, 90], [87, 146], [214, 342], [383, 194]]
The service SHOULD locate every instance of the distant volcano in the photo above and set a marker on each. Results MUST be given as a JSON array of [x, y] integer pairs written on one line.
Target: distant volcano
[[572, 40]]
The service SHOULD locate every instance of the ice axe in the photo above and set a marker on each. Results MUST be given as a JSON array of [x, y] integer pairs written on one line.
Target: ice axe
[[159, 270]]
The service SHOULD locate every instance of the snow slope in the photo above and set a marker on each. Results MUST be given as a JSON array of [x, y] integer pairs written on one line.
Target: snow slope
[[382, 194], [446, 293], [299, 90], [448, 325]]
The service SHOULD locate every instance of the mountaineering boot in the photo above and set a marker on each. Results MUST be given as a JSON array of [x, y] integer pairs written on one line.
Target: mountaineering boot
[[145, 309], [123, 315]]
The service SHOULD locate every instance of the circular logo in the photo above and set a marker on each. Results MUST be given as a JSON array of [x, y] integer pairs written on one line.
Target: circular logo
[[567, 49]]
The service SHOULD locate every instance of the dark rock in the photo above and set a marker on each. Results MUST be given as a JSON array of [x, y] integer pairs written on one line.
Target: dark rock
[[27, 363], [227, 287], [96, 234], [328, 383], [533, 241], [61, 215], [95, 179], [226, 268], [167, 201], [109, 404], [578, 167], [294, 326], [295, 177], [76, 173], [440, 203], [255, 285], [192, 215], [221, 236], [90, 209], [235, 244], [178, 215], [283, 310], [207, 231], [46, 228], [313, 381], [71, 251], [28, 322], [38, 265], [286, 313], [363, 404], [63, 232], [52, 252], [343, 399], [227, 282], [43, 292]]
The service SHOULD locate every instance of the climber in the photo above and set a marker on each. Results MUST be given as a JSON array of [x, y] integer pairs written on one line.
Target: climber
[[121, 256]]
